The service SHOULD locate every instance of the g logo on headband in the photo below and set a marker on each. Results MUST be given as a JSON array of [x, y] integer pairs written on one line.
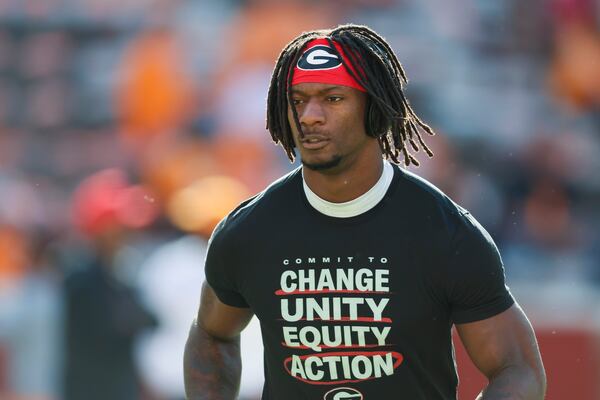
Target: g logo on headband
[[319, 57]]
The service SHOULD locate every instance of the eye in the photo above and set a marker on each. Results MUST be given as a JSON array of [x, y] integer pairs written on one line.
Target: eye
[[297, 101], [334, 99]]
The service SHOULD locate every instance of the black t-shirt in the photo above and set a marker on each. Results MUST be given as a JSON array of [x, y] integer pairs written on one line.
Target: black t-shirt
[[358, 307]]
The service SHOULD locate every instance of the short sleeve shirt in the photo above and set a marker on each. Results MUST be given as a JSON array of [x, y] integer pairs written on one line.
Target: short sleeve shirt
[[359, 307]]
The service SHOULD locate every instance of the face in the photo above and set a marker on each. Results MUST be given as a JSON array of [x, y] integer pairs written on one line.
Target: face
[[333, 133]]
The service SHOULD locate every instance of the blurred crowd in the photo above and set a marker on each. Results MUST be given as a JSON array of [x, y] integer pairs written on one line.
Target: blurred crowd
[[129, 128]]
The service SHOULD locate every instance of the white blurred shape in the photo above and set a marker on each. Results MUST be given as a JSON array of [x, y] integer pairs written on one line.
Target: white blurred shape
[[170, 282]]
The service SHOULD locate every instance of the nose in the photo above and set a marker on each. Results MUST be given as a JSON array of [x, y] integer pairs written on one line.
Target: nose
[[311, 114]]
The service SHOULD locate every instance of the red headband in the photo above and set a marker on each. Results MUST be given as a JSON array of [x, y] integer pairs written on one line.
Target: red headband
[[320, 64]]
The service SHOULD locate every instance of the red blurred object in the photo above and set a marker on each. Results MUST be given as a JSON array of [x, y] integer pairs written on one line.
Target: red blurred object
[[570, 357], [565, 11], [106, 199]]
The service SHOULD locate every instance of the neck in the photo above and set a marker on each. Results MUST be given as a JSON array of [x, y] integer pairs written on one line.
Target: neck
[[339, 186]]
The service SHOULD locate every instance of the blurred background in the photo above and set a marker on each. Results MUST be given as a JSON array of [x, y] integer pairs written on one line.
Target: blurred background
[[129, 127]]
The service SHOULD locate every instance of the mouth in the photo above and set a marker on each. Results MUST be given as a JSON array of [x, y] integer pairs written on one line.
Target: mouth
[[314, 142]]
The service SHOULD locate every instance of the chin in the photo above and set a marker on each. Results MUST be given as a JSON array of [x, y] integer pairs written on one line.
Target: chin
[[322, 165]]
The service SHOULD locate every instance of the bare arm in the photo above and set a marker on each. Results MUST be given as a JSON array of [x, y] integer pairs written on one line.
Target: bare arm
[[211, 362], [504, 348]]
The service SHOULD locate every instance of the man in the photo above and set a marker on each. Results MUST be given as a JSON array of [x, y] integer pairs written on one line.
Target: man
[[104, 315], [356, 269]]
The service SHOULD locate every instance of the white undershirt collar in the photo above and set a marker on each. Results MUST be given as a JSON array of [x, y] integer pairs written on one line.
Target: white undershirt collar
[[354, 207]]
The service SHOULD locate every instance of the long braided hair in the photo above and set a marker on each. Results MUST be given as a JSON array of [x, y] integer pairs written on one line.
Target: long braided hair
[[389, 117]]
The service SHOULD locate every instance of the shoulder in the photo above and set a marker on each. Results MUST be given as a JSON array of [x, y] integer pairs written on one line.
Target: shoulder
[[427, 204], [259, 209], [416, 187], [435, 219]]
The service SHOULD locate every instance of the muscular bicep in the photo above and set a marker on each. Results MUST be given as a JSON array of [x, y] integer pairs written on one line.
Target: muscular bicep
[[503, 341], [219, 319]]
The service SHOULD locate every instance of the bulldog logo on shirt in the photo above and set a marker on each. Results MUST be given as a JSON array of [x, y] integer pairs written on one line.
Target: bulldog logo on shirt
[[343, 393]]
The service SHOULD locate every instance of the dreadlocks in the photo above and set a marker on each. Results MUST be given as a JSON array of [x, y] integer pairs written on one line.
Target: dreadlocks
[[389, 117]]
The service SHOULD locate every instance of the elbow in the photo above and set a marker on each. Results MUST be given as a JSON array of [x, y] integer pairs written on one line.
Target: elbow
[[216, 335], [541, 382], [533, 382], [536, 374], [522, 382]]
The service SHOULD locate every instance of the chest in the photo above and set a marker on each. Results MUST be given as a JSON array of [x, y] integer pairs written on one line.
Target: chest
[[372, 281], [359, 303]]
